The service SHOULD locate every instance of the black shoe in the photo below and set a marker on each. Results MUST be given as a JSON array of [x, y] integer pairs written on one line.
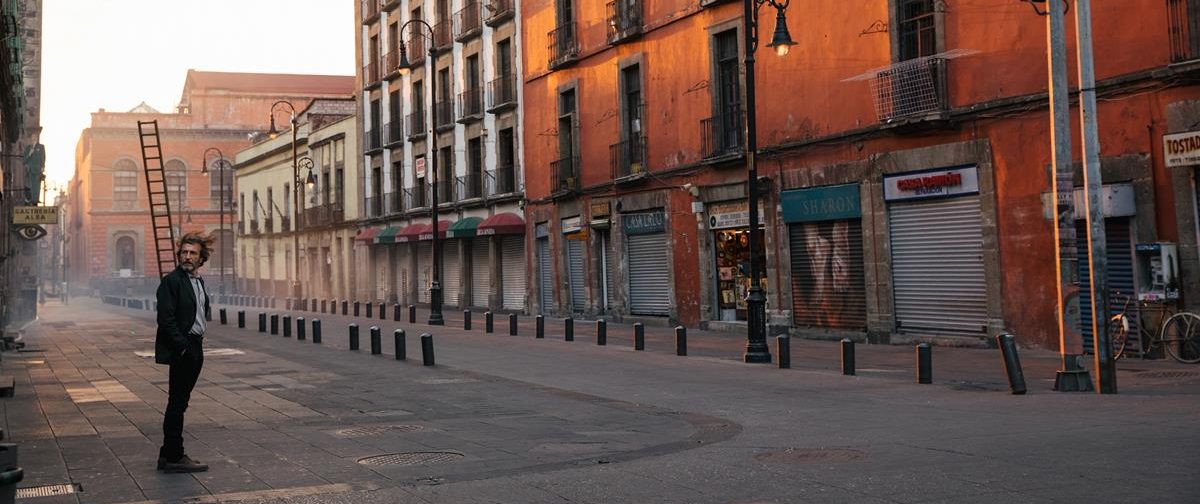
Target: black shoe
[[184, 465]]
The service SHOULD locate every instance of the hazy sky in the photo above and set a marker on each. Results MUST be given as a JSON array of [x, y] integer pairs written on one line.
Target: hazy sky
[[114, 54]]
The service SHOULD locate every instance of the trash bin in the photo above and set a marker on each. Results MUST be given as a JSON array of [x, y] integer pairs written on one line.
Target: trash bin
[[10, 474]]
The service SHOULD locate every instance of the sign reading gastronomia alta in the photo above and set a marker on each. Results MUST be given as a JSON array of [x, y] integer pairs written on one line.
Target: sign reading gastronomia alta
[[35, 215], [1182, 149]]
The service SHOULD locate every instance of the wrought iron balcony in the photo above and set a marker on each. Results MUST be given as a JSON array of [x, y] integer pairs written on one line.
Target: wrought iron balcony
[[502, 180], [393, 202], [268, 225], [467, 21], [254, 227], [391, 63], [566, 173], [563, 47], [721, 135], [470, 103], [371, 73], [416, 198], [416, 46], [370, 10], [285, 223], [628, 158], [1183, 28], [319, 215], [911, 90], [443, 35], [469, 186], [445, 114], [374, 140], [416, 124], [624, 20], [499, 11], [395, 131], [502, 93], [445, 189], [336, 212], [374, 206]]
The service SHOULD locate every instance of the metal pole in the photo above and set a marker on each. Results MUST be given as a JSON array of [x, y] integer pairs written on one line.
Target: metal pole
[[1072, 376], [221, 219], [757, 350], [435, 289], [1106, 371], [295, 213]]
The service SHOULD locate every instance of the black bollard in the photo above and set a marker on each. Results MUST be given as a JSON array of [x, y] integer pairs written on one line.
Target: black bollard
[[427, 349], [299, 328], [224, 317], [401, 345], [370, 310], [412, 314], [1012, 363], [395, 313], [356, 307], [540, 331], [345, 307], [569, 329], [376, 341], [466, 320], [783, 346], [487, 322], [316, 323], [262, 322], [924, 363], [353, 337], [680, 340], [241, 319], [512, 324], [847, 356], [601, 332], [639, 336], [287, 326], [208, 316], [274, 324], [382, 310]]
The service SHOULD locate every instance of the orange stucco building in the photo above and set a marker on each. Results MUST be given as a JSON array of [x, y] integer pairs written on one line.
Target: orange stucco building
[[904, 156], [110, 239]]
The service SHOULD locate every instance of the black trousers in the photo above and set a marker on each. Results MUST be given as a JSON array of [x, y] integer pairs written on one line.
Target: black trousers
[[183, 375]]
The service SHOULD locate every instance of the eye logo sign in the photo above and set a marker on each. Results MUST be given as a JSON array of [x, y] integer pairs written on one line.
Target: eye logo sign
[[31, 232]]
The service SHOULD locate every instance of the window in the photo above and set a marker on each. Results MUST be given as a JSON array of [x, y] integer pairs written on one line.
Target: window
[[474, 168], [268, 227], [420, 185], [176, 177], [393, 125], [504, 65], [918, 32], [376, 199], [723, 132], [126, 254], [628, 154], [416, 119], [373, 135], [394, 204], [505, 166], [220, 182], [124, 185], [326, 170], [444, 111], [472, 100], [287, 208], [445, 174], [565, 169]]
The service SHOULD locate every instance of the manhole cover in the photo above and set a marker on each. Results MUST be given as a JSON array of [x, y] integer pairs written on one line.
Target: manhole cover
[[1168, 374], [374, 430], [810, 455], [411, 458], [47, 491]]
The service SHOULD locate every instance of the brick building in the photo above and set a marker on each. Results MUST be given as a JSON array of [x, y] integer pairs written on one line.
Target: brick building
[[904, 152], [110, 240]]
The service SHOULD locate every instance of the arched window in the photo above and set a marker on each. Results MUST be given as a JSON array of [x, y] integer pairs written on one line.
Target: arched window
[[124, 185], [126, 254], [220, 181], [176, 177]]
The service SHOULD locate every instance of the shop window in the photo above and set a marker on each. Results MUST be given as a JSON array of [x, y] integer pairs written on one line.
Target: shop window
[[732, 254]]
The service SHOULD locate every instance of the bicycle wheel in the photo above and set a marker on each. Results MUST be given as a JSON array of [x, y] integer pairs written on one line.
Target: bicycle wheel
[[1181, 335], [1118, 334]]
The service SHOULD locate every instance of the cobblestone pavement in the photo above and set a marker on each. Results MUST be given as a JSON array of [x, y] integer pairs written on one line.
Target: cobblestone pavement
[[521, 420]]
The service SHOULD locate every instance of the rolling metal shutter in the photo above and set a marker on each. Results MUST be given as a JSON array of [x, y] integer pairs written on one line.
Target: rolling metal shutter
[[402, 273], [575, 267], [451, 273], [610, 272], [937, 265], [649, 274], [545, 275], [1119, 242], [382, 266], [827, 274], [481, 274], [512, 271], [425, 267]]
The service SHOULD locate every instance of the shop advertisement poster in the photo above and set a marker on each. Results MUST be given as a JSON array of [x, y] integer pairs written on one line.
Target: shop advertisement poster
[[931, 184], [1181, 149]]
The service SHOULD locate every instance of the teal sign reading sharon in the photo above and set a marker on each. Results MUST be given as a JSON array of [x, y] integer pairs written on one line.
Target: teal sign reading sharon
[[821, 203]]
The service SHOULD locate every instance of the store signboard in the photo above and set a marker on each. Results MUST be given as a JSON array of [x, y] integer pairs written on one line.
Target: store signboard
[[35, 215], [938, 183], [419, 166], [571, 224], [734, 214], [1182, 149], [821, 203], [644, 223]]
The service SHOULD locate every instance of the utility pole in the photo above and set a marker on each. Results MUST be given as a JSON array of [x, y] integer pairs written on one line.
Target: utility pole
[[1106, 370], [1072, 376]]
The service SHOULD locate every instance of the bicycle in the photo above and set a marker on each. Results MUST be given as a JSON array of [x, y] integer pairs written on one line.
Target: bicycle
[[1178, 333]]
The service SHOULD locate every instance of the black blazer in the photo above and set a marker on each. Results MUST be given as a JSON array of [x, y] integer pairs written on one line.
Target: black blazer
[[176, 315]]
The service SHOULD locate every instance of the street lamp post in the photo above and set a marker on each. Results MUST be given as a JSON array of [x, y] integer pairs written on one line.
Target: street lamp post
[[222, 166], [757, 350], [295, 198], [435, 288]]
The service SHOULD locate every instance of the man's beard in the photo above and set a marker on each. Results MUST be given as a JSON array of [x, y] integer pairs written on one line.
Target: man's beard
[[188, 267]]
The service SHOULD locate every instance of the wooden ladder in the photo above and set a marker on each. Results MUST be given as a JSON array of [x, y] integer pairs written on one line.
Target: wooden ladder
[[156, 190]]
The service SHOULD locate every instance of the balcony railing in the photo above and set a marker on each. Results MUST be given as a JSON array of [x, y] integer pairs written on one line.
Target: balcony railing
[[374, 206], [370, 9], [469, 186], [416, 124], [415, 198], [445, 189], [416, 46], [566, 173], [336, 211], [371, 73], [470, 103], [443, 35], [562, 45], [391, 62], [1183, 28], [912, 89], [395, 131], [502, 92], [502, 180], [445, 114], [624, 20], [499, 11], [721, 135], [374, 141], [254, 228], [467, 22], [393, 202], [320, 215], [628, 158], [285, 223], [268, 225]]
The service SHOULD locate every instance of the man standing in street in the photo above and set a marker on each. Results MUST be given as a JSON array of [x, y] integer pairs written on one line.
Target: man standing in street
[[182, 310]]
